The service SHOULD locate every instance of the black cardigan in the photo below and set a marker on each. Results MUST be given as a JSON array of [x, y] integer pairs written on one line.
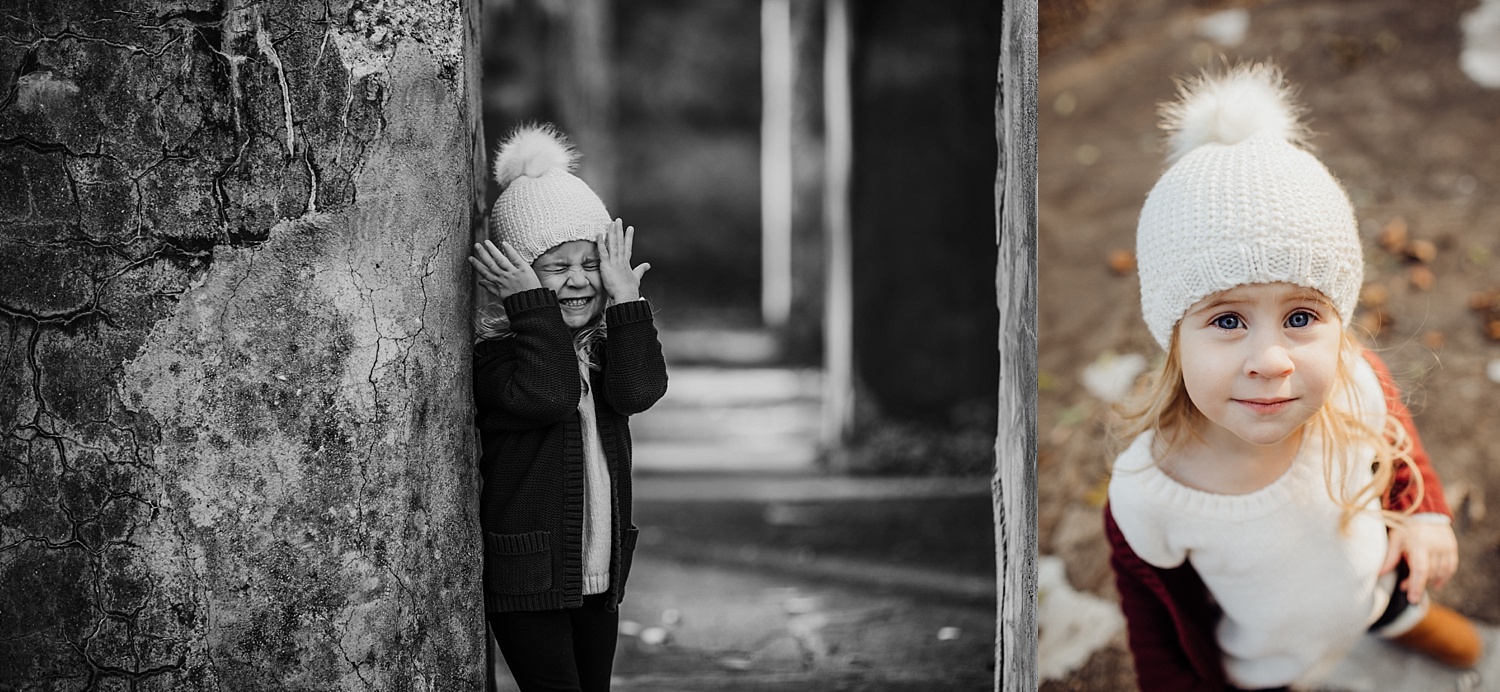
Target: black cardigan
[[526, 394]]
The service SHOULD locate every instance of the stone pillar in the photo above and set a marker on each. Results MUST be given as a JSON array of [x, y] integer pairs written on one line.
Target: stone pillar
[[235, 414]]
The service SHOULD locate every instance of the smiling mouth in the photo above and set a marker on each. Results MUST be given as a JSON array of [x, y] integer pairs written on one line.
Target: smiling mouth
[[574, 303], [1264, 405]]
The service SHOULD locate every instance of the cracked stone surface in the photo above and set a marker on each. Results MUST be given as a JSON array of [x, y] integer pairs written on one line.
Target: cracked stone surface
[[234, 390]]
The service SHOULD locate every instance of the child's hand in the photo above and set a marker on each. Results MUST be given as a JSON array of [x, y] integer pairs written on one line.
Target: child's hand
[[622, 282], [1431, 553], [501, 272]]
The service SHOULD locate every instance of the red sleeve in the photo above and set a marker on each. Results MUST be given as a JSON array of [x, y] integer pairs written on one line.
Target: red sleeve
[[1168, 620], [1403, 492]]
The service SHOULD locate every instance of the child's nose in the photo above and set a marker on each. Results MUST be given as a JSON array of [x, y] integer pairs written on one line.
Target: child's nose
[[578, 277], [1268, 358]]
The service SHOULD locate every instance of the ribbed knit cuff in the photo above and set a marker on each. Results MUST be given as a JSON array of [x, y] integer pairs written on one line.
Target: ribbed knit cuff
[[529, 300], [625, 313], [595, 583]]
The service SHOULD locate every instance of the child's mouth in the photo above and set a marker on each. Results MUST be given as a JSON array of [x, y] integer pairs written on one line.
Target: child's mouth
[[574, 303], [1265, 405]]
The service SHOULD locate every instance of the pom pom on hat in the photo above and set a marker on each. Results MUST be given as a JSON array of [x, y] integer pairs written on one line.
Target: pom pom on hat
[[541, 203], [1248, 101], [533, 151], [1241, 203]]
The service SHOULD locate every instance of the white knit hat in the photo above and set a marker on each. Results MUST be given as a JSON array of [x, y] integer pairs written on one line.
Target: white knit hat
[[1242, 203], [542, 204]]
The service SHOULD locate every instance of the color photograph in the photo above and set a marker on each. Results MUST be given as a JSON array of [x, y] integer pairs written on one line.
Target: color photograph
[[1268, 351]]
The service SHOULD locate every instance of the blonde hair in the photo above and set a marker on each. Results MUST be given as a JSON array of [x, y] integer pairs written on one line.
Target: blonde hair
[[1162, 406]]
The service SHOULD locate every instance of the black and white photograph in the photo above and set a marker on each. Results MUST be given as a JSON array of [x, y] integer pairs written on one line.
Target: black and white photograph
[[515, 345]]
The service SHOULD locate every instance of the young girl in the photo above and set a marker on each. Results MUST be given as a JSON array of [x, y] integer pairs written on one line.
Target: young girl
[[1274, 489], [566, 352]]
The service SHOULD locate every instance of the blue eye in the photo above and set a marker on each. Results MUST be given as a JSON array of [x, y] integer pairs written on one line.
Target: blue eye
[[1228, 322], [1299, 319]]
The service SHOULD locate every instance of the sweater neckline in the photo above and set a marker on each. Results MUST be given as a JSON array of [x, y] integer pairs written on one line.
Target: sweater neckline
[[1259, 502]]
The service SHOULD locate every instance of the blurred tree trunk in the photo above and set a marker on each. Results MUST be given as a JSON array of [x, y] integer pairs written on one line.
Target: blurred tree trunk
[[235, 443], [1014, 484], [584, 78], [803, 334], [554, 62], [922, 206]]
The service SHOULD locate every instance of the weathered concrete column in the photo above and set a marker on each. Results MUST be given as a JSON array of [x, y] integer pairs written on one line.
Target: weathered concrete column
[[235, 442]]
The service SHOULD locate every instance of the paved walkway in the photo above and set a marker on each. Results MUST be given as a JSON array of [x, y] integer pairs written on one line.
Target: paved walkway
[[748, 420], [743, 602]]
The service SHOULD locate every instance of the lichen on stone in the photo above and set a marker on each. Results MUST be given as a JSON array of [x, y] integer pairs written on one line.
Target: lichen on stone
[[374, 27]]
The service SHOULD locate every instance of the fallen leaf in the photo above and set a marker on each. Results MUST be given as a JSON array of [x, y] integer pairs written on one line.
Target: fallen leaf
[[1482, 300], [1394, 236], [1110, 376], [1373, 321], [1420, 277], [1121, 262], [1421, 250], [1374, 295], [1071, 624], [1098, 495]]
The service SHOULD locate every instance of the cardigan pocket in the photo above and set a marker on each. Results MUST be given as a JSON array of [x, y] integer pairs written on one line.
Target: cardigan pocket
[[628, 539], [518, 563]]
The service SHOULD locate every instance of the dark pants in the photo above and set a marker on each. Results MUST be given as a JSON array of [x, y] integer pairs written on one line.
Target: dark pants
[[1398, 604], [567, 650]]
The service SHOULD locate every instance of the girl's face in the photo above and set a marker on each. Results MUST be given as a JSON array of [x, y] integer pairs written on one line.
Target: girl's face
[[571, 270], [1258, 361]]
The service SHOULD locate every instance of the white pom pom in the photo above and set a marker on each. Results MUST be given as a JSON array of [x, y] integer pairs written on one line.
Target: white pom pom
[[532, 151], [1244, 102]]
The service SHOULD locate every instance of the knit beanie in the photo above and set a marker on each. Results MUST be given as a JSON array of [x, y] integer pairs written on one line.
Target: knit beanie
[[541, 203], [1241, 203]]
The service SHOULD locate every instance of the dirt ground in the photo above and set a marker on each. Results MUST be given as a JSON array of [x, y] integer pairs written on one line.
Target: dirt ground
[[1413, 140]]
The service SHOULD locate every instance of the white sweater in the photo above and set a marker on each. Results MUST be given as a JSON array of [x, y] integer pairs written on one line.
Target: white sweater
[[1296, 594], [596, 497]]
